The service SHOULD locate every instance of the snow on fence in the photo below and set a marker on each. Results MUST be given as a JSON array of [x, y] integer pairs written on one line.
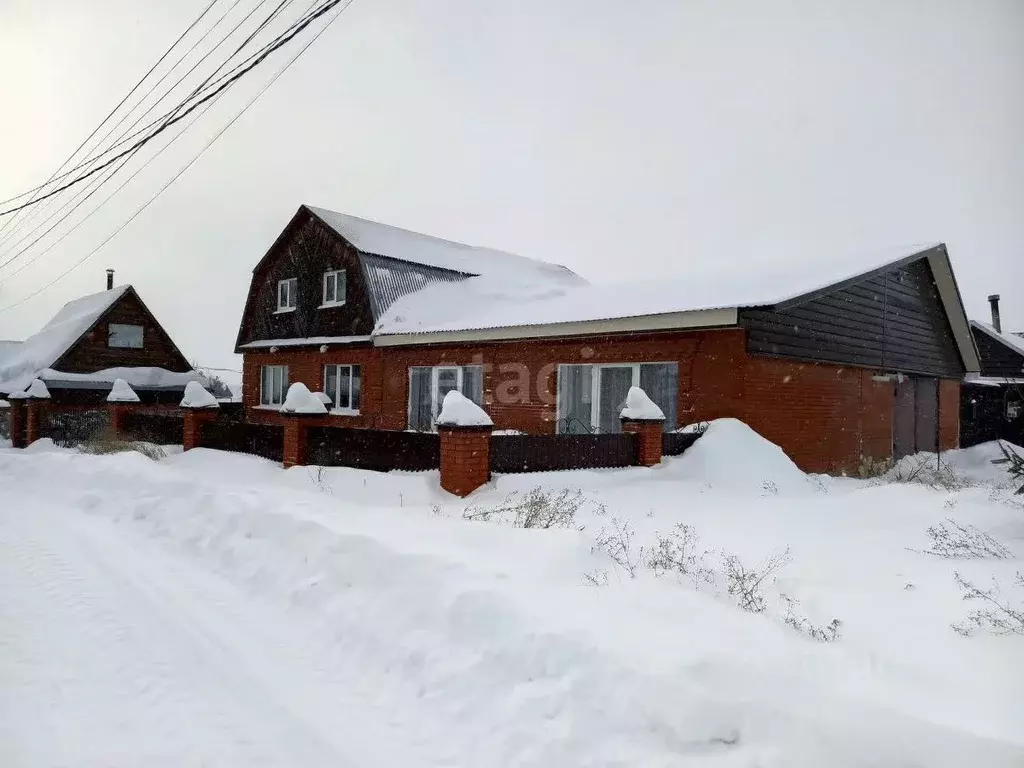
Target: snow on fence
[[544, 453], [375, 449], [266, 440]]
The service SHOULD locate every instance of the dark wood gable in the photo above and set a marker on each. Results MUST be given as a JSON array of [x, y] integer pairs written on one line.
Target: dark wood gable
[[92, 352], [997, 359], [306, 250], [891, 319]]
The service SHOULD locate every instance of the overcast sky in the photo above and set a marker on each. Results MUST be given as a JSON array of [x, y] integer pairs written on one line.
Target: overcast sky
[[622, 139]]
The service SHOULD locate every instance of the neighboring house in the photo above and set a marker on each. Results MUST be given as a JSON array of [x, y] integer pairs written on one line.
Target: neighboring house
[[90, 342], [992, 404], [386, 321]]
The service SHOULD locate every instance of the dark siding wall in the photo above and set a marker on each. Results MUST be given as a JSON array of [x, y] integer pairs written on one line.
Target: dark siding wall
[[892, 321], [996, 358], [91, 353], [306, 251]]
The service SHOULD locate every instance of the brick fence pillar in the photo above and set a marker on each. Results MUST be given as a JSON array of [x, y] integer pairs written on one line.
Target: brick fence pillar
[[296, 440], [35, 411], [465, 458], [649, 433], [17, 417], [118, 413], [194, 418]]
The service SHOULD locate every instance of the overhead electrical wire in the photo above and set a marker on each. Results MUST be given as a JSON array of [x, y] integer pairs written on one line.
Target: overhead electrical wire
[[344, 5]]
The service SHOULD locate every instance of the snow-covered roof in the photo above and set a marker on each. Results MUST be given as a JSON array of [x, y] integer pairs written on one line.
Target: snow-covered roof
[[385, 240], [305, 341], [484, 303], [457, 410], [20, 363], [300, 400], [142, 377], [1013, 341], [37, 389], [121, 392]]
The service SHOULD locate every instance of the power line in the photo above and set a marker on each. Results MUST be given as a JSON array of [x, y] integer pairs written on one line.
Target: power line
[[210, 143], [176, 115]]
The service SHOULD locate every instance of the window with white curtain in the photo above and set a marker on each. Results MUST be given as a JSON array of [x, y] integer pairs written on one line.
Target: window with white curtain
[[343, 385], [273, 384], [590, 397], [287, 294], [429, 384], [335, 285]]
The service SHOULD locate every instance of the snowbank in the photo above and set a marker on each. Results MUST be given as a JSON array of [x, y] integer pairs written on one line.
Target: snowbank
[[732, 456], [457, 410], [640, 407], [300, 400], [4, 403], [122, 393], [37, 389], [197, 397]]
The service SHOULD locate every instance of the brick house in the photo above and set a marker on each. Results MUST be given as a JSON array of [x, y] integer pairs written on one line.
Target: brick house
[[386, 321], [90, 342]]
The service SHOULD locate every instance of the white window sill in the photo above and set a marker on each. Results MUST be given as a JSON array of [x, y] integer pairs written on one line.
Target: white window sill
[[331, 304], [267, 407], [283, 310], [342, 412]]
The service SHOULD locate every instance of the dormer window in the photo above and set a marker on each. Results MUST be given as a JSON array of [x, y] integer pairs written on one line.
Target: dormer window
[[335, 286], [287, 294]]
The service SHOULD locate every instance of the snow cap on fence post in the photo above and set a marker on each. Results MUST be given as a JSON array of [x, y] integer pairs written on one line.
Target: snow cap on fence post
[[645, 419], [299, 405], [121, 392], [457, 410], [465, 431], [300, 401], [197, 397], [37, 390]]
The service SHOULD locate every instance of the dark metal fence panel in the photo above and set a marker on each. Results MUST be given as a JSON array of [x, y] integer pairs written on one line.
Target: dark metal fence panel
[[231, 411], [543, 453], [376, 449], [160, 428], [71, 428], [674, 443], [266, 440]]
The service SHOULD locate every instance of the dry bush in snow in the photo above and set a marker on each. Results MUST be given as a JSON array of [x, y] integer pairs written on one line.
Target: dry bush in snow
[[958, 542], [925, 470], [828, 633], [1014, 463], [747, 584], [538, 508], [107, 441], [617, 541], [996, 614], [677, 553]]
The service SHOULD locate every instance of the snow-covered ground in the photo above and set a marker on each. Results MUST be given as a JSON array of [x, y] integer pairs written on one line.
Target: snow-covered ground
[[214, 609]]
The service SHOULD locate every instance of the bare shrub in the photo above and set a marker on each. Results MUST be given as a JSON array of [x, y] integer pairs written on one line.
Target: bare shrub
[[1014, 463], [796, 619], [746, 585], [870, 467], [677, 553], [538, 508], [997, 614], [928, 470], [958, 542], [617, 541], [596, 578], [107, 441]]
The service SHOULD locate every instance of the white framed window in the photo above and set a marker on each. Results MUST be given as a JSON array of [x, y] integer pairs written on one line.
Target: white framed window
[[429, 384], [273, 384], [335, 287], [121, 336], [287, 294], [591, 397], [343, 384]]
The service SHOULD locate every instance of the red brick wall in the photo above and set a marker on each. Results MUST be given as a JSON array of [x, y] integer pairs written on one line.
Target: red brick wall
[[949, 414], [826, 417]]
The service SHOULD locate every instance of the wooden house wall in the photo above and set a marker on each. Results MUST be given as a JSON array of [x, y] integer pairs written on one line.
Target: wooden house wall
[[92, 353], [892, 320], [996, 358]]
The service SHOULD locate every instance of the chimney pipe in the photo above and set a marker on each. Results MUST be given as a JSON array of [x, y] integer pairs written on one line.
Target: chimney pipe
[[993, 301], [110, 280]]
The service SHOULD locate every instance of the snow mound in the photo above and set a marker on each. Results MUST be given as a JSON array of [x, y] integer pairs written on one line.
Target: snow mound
[[4, 403], [323, 397], [197, 397], [732, 456], [459, 411], [300, 400], [958, 468], [38, 390], [640, 407], [122, 393]]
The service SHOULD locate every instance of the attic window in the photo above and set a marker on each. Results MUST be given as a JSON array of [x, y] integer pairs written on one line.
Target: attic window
[[287, 294], [334, 288], [121, 336]]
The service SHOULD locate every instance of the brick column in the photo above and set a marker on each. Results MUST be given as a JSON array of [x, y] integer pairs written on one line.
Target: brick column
[[117, 412], [35, 410], [17, 417], [194, 418], [296, 441], [649, 433], [465, 458]]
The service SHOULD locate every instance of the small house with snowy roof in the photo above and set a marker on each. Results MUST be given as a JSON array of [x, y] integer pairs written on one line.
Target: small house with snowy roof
[[839, 362], [993, 399], [90, 343]]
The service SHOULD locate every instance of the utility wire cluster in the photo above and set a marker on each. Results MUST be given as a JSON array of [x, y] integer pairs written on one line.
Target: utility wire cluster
[[220, 48]]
